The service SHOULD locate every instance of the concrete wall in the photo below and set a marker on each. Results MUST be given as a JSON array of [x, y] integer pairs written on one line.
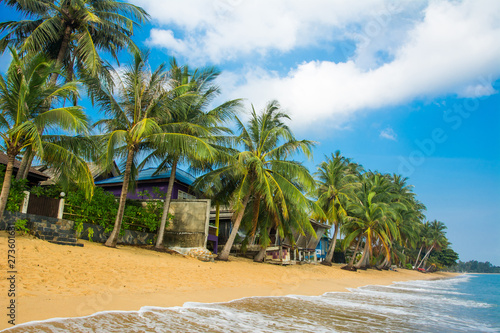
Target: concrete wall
[[189, 227]]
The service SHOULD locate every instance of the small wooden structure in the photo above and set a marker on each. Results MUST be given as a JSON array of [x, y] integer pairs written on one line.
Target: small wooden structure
[[304, 251]]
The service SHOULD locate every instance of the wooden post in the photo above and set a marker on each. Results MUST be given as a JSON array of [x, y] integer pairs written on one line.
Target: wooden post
[[217, 215]]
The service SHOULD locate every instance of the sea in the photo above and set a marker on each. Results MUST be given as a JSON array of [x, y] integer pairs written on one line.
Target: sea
[[466, 303]]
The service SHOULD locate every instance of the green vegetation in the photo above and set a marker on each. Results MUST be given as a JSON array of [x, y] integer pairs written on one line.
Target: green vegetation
[[102, 208]]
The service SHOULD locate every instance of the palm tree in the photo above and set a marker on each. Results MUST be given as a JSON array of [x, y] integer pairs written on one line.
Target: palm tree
[[73, 31], [137, 103], [262, 169], [24, 98], [436, 238], [134, 104], [337, 179], [372, 216], [189, 118]]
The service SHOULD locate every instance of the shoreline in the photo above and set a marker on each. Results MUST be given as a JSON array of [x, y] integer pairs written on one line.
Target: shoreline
[[57, 281]]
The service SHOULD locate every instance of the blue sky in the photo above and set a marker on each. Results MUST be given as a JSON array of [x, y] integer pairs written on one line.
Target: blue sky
[[398, 86]]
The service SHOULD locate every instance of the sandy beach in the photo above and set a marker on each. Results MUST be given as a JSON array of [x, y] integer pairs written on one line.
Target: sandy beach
[[62, 281]]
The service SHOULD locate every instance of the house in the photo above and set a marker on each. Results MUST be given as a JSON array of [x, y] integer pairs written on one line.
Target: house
[[148, 180], [34, 176], [323, 246], [98, 173]]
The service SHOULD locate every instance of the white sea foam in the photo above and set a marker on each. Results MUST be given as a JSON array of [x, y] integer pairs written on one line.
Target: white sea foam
[[425, 306]]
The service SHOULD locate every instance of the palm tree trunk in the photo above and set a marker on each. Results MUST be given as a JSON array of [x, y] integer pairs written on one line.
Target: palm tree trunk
[[418, 257], [255, 217], [224, 255], [331, 250], [22, 166], [26, 170], [113, 238], [351, 262], [6, 184], [262, 253], [425, 257], [166, 206], [62, 52], [365, 258]]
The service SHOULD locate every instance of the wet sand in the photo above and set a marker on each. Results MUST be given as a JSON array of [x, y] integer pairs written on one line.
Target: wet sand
[[63, 281]]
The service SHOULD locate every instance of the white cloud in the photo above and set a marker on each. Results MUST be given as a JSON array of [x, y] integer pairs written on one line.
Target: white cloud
[[225, 29], [453, 50], [402, 50], [389, 134]]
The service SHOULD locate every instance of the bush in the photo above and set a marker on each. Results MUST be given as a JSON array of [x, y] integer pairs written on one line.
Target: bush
[[103, 207]]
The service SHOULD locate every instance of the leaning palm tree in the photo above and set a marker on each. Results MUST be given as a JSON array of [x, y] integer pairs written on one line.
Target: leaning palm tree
[[190, 117], [337, 178], [436, 238], [24, 98], [262, 169]]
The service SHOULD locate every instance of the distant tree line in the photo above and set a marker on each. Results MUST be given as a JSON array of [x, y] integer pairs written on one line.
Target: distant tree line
[[474, 266]]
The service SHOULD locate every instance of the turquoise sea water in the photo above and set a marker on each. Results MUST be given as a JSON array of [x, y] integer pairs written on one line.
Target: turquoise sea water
[[468, 303]]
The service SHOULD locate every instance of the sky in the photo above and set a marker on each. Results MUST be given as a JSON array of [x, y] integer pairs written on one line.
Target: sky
[[407, 87]]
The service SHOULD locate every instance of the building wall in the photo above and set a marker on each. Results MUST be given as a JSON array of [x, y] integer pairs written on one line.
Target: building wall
[[116, 190], [189, 227]]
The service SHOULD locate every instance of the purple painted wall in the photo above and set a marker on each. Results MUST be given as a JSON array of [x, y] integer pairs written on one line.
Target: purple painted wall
[[142, 186]]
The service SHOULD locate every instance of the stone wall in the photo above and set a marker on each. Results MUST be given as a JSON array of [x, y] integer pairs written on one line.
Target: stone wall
[[129, 237], [55, 227], [36, 221]]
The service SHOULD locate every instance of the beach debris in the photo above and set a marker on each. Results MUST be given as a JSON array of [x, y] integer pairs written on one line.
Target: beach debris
[[199, 253]]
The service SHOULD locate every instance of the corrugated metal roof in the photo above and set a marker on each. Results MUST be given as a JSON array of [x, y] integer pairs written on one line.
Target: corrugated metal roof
[[147, 174]]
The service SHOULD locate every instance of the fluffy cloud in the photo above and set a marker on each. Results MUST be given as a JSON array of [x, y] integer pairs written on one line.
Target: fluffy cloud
[[395, 52], [453, 50], [221, 30]]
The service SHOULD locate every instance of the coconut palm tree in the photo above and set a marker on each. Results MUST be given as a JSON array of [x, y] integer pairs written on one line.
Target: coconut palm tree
[[337, 178], [191, 117], [25, 96], [72, 32], [373, 216], [436, 238], [134, 104], [262, 169], [137, 103]]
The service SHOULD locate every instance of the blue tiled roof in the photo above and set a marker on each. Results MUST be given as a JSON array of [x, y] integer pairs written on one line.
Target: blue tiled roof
[[147, 174]]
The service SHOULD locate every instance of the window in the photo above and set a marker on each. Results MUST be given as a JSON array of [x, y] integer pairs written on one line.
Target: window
[[184, 195]]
